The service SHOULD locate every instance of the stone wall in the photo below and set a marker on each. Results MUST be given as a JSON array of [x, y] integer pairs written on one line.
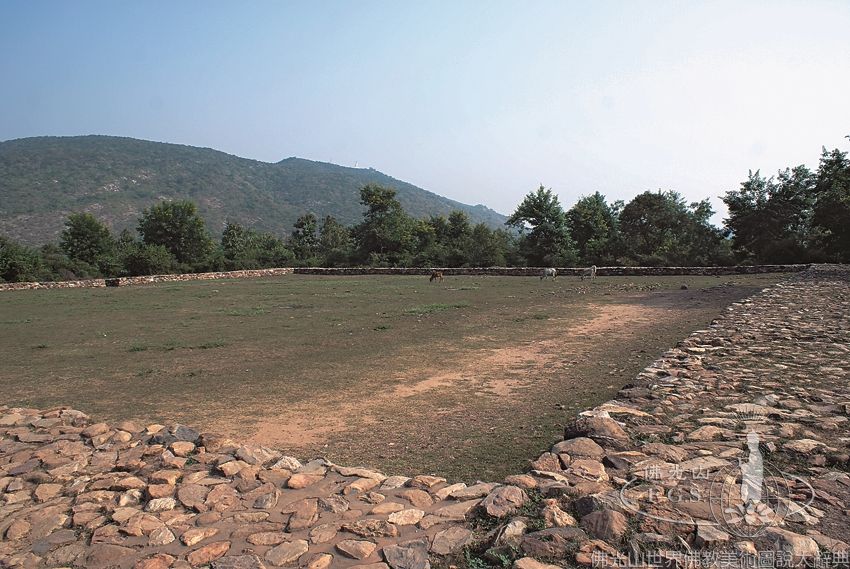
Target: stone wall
[[248, 274], [128, 281], [343, 271], [565, 271], [88, 283]]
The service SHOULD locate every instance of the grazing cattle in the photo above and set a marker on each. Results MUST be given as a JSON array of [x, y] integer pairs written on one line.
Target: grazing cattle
[[436, 276], [589, 272], [550, 272]]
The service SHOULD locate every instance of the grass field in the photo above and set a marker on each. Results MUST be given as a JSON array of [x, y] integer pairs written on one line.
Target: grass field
[[468, 378]]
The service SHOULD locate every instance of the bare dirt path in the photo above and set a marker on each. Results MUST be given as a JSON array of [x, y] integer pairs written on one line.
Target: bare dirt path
[[443, 413], [497, 372]]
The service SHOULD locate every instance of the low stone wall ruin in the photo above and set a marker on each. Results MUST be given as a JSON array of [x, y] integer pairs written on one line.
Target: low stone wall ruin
[[562, 271], [456, 271], [149, 279]]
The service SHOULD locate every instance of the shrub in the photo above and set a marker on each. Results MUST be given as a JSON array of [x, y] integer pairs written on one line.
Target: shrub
[[18, 263], [142, 259]]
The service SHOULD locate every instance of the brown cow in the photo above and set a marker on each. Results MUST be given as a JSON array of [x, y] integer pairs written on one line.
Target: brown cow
[[436, 276]]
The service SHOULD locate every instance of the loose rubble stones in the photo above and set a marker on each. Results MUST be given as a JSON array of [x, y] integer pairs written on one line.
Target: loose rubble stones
[[232, 505]]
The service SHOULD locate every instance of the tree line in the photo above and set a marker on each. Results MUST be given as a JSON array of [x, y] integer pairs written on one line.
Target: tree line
[[797, 216]]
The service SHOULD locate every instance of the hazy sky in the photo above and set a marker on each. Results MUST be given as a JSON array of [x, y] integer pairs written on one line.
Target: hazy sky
[[478, 101]]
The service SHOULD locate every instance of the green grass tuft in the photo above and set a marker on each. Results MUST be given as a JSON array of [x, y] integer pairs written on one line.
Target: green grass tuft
[[246, 311], [22, 321], [432, 308], [211, 345]]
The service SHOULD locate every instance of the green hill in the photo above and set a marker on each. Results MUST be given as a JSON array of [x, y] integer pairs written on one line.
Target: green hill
[[44, 179]]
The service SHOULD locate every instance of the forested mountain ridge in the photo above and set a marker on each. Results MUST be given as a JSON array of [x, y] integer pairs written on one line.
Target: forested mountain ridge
[[43, 179]]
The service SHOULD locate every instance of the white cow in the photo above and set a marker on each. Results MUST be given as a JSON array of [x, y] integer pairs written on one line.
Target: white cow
[[589, 272], [549, 272]]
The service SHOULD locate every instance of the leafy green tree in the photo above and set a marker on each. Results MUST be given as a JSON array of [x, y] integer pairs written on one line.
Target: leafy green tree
[[652, 224], [429, 248], [770, 219], [86, 239], [270, 251], [59, 266], [236, 239], [831, 212], [244, 248], [125, 238], [459, 228], [140, 259], [459, 239], [387, 233], [335, 244], [707, 244], [18, 263], [660, 228], [304, 240], [488, 247], [440, 227], [444, 242], [594, 228], [432, 242], [545, 238], [235, 248], [179, 228]]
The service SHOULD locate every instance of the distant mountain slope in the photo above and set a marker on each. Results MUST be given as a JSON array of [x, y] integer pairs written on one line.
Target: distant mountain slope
[[44, 179]]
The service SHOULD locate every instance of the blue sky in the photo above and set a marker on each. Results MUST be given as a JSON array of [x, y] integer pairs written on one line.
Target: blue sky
[[478, 101]]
